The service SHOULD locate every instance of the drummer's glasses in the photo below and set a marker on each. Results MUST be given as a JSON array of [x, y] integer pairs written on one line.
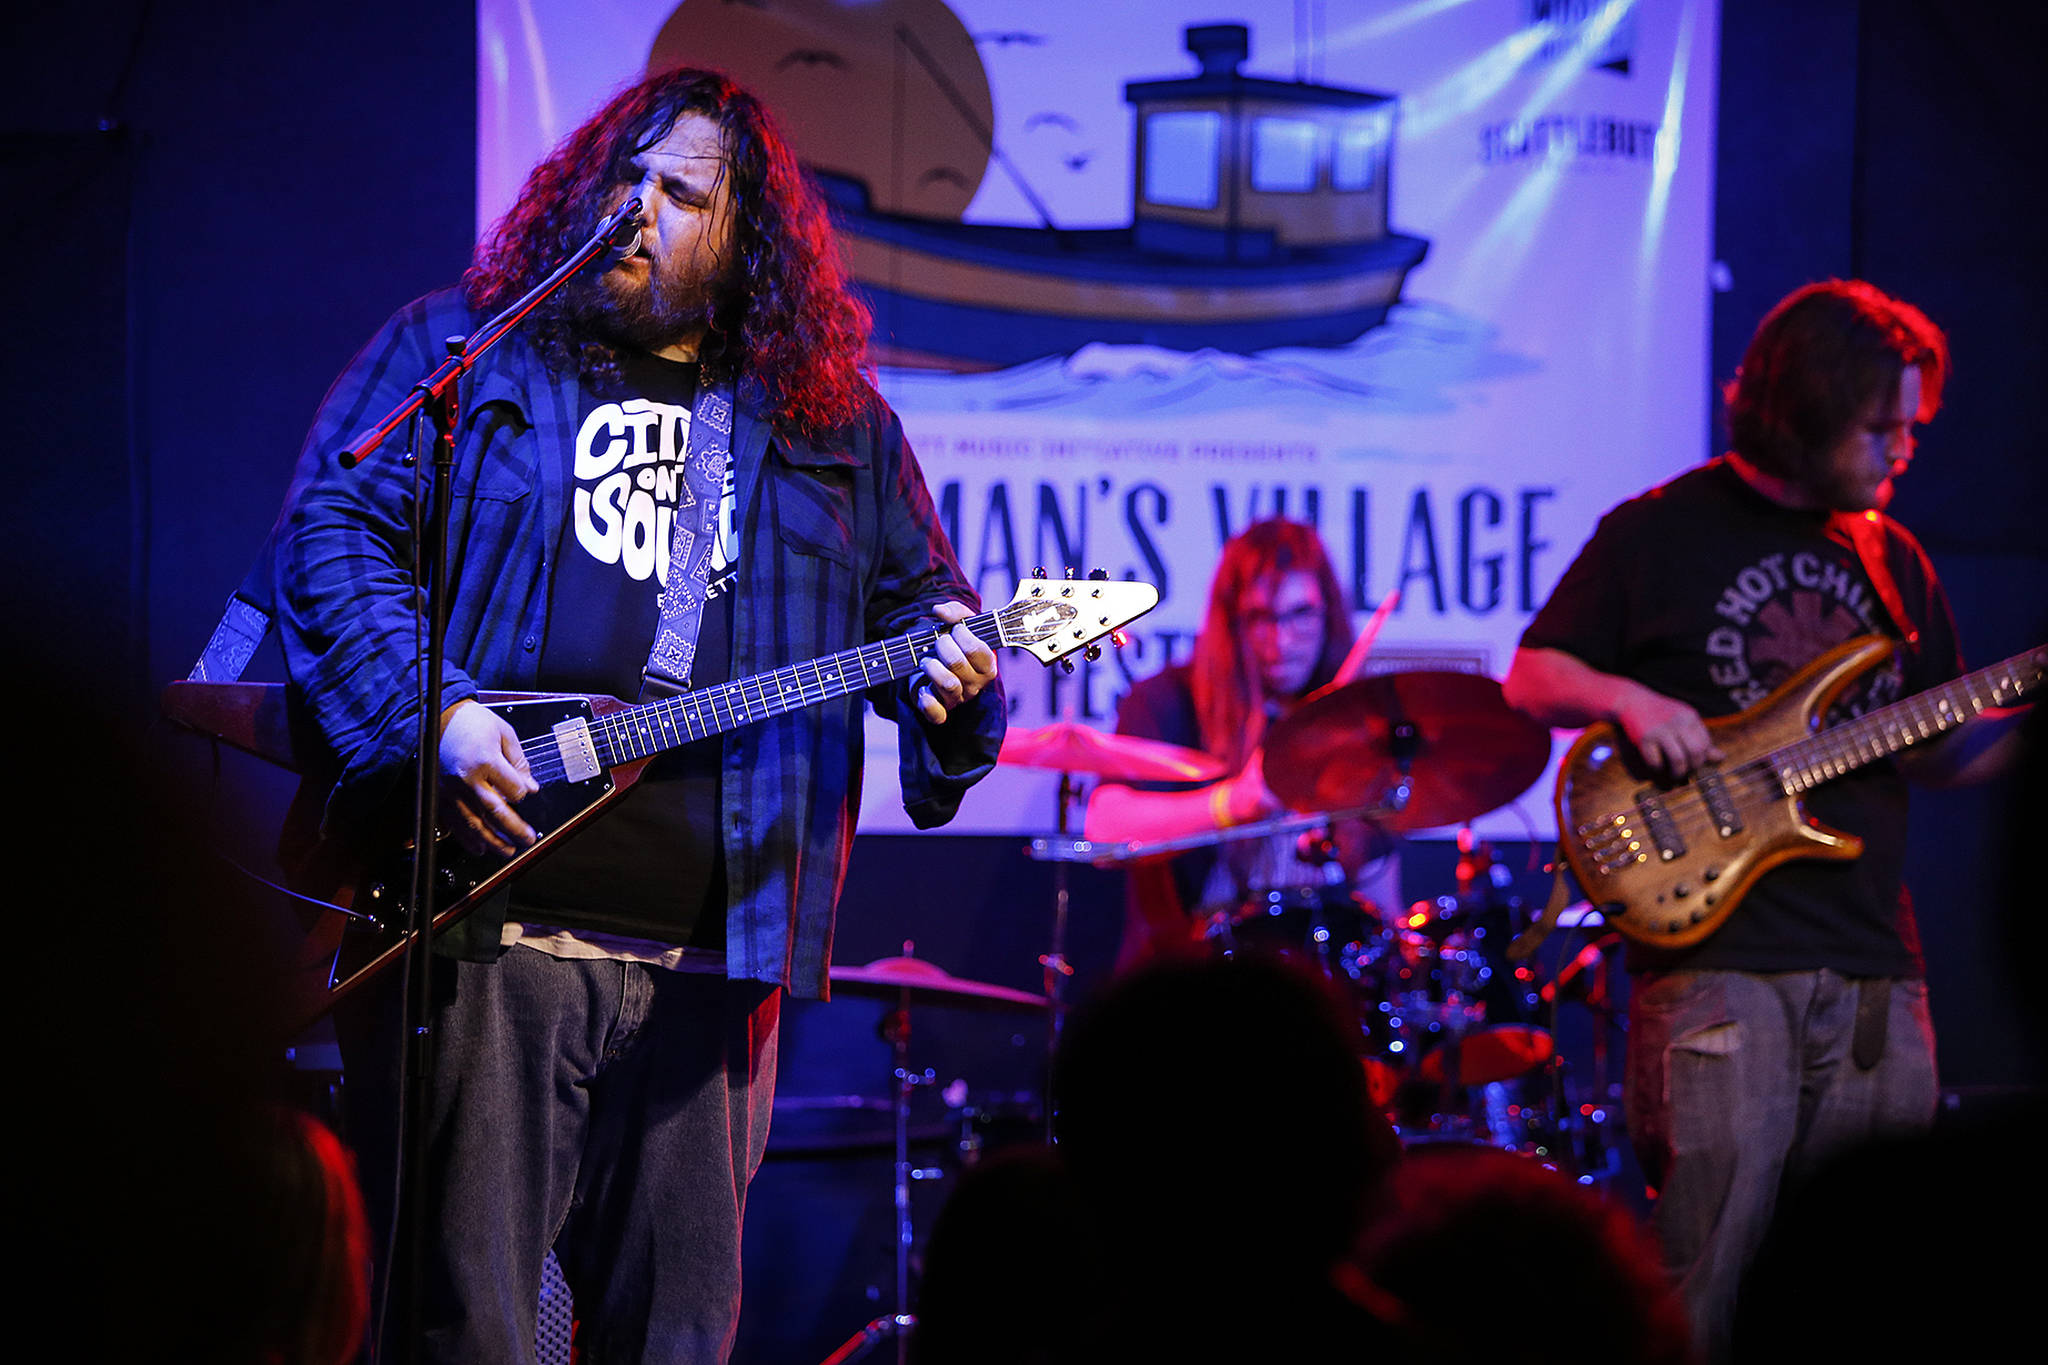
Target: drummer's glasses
[[1297, 620]]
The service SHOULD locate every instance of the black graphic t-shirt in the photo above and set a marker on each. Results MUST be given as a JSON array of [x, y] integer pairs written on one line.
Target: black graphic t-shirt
[[1704, 590], [651, 866]]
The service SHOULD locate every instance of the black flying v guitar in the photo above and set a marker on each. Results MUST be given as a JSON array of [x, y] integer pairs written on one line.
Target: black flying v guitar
[[586, 751]]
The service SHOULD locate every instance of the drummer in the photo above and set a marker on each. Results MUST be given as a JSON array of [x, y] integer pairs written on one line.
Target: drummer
[[1277, 628]]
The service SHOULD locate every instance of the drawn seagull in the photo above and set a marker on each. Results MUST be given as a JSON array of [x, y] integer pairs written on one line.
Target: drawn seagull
[[811, 56], [1012, 38], [1051, 119]]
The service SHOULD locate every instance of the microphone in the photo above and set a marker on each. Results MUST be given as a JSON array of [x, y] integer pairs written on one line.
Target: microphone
[[621, 234]]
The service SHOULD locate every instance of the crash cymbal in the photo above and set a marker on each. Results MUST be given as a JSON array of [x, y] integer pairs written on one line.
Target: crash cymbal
[[929, 984], [1467, 751], [1070, 747]]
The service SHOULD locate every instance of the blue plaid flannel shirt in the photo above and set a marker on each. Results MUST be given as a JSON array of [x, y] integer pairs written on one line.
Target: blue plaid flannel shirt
[[840, 545]]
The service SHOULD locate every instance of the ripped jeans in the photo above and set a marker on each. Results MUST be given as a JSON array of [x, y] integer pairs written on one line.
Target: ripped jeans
[[1738, 1081]]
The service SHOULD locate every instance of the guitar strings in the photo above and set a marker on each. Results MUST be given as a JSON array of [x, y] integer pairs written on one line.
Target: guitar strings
[[1692, 816], [1689, 813], [543, 752]]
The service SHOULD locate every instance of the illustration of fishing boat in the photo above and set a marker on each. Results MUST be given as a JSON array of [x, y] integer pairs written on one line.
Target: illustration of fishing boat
[[1259, 219]]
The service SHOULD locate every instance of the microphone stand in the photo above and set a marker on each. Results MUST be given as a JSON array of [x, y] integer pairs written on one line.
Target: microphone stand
[[437, 397]]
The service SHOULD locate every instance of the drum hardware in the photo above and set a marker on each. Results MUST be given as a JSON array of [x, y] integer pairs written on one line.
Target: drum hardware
[[906, 981], [1106, 854], [1069, 748]]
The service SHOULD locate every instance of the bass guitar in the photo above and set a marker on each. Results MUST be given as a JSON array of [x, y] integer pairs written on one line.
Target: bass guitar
[[587, 751], [1667, 864]]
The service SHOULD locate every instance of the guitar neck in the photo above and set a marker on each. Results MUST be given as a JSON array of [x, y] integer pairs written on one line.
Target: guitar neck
[[640, 731], [1913, 720]]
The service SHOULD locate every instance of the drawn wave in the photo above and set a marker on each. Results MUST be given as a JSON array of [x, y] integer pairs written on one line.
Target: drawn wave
[[1426, 360]]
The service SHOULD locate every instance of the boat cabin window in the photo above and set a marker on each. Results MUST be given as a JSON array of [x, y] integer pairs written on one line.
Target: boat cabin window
[[1284, 155], [1356, 164], [1182, 149]]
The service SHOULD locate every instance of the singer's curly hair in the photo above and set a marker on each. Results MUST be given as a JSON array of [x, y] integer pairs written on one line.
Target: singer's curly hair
[[786, 318]]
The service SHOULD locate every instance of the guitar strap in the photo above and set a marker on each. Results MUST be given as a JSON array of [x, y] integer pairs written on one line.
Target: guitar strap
[[242, 627], [1866, 533], [1873, 994], [707, 450]]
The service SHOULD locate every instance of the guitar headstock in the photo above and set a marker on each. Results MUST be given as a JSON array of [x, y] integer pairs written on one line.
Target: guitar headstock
[[1053, 617]]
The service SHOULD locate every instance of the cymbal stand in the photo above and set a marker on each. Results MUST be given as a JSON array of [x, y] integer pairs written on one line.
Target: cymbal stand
[[895, 1030], [1057, 968]]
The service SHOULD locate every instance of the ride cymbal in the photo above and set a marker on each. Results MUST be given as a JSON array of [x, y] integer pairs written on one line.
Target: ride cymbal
[[1466, 751]]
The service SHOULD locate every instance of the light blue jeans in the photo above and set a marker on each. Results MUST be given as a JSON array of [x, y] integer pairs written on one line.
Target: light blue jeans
[[1740, 1082]]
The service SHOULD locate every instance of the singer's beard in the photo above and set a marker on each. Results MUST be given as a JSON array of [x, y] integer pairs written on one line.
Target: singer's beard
[[648, 313]]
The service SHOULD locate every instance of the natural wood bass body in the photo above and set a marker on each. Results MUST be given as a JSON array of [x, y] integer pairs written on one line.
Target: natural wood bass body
[[1668, 863]]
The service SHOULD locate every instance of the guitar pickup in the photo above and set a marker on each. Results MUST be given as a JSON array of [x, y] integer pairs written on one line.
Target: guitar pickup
[[1663, 830], [1714, 791], [578, 752]]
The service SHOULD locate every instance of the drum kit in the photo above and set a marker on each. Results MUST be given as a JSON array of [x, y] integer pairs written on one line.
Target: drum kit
[[1455, 1039]]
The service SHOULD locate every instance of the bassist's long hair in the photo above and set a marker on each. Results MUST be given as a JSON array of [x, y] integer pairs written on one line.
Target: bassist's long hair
[[1816, 364]]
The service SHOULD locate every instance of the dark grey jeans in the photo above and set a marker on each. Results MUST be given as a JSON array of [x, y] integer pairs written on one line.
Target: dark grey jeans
[[610, 1110], [1739, 1081]]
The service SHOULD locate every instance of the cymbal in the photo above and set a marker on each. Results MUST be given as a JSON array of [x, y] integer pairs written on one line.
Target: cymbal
[[1070, 747], [930, 984], [1468, 751]]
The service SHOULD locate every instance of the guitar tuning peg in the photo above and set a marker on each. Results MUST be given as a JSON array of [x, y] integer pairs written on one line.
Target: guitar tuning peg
[[1099, 575], [1038, 572], [1070, 571], [1094, 653], [1067, 664], [1119, 638]]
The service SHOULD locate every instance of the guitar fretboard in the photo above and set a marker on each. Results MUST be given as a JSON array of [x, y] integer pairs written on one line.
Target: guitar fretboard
[[639, 731], [1924, 716]]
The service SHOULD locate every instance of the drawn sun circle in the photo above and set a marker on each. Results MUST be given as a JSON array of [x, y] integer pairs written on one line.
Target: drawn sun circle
[[888, 92]]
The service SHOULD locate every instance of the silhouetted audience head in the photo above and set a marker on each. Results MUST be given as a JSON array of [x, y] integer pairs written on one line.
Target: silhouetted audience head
[[1010, 1271], [304, 1256], [1219, 1106], [1215, 1119], [1483, 1255]]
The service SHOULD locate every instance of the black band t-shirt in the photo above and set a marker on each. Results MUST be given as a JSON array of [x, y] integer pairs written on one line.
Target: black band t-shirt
[[1706, 591], [651, 866]]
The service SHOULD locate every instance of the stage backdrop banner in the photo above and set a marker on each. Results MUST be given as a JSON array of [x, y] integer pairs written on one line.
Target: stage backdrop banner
[[1431, 275]]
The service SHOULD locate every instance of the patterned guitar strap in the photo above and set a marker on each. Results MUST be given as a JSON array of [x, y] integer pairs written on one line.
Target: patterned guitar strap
[[1866, 533], [707, 449]]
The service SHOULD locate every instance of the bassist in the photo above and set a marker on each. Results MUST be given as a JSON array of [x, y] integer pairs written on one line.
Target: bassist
[[1800, 1026]]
